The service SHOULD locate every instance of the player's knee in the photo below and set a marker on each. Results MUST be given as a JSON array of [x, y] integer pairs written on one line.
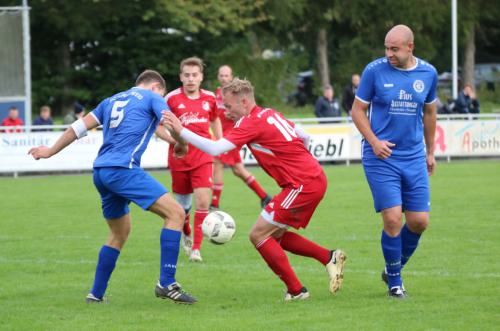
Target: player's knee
[[177, 214], [418, 226], [254, 237]]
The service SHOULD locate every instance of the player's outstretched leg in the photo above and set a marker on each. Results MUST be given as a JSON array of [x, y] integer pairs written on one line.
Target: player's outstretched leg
[[108, 255], [216, 193], [333, 260], [187, 237]]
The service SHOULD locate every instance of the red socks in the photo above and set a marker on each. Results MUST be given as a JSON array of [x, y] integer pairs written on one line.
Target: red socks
[[277, 260], [199, 216], [298, 245], [186, 228], [216, 192], [255, 186]]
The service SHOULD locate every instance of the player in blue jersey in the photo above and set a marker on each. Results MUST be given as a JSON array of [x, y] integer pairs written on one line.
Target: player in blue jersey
[[128, 120], [399, 94]]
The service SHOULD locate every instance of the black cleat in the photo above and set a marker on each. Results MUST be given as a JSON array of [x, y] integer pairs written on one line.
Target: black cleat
[[396, 292], [93, 299], [265, 201], [213, 208], [175, 293], [385, 279]]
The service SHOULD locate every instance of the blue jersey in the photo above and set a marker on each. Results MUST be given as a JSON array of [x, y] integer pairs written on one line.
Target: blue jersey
[[128, 120], [397, 98]]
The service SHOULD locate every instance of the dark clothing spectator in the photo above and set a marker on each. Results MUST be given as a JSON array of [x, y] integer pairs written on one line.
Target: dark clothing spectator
[[77, 113], [467, 103], [40, 121], [44, 118], [327, 107], [350, 93]]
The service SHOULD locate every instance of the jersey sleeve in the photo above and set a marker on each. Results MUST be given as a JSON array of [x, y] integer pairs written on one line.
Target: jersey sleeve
[[158, 104], [98, 112], [431, 96], [366, 88], [244, 131]]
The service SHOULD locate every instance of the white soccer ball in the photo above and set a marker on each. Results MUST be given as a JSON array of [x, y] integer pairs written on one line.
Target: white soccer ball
[[218, 227]]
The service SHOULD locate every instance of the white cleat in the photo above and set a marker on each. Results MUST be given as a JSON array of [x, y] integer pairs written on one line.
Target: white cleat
[[195, 256], [303, 295], [335, 269], [187, 243]]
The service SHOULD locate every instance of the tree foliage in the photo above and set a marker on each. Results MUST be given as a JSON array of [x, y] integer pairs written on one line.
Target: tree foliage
[[85, 50]]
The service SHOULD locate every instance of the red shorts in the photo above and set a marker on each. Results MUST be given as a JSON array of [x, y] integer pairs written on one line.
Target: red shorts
[[230, 158], [183, 182], [295, 206]]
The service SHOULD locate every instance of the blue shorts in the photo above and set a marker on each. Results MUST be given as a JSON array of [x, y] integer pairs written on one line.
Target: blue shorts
[[397, 182], [118, 186]]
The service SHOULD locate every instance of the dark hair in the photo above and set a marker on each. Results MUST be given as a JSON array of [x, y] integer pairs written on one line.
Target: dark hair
[[150, 76]]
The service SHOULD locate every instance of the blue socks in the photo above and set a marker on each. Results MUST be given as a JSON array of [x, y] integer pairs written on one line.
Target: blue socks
[[169, 243], [409, 243], [105, 266], [391, 247]]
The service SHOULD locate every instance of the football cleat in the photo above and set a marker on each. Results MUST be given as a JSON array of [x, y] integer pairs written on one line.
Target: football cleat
[[396, 292], [175, 293], [265, 201], [93, 299], [187, 243], [385, 279], [335, 270], [195, 256], [213, 208], [303, 295]]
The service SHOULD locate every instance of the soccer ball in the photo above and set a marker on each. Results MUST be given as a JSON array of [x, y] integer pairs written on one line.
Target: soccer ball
[[218, 227]]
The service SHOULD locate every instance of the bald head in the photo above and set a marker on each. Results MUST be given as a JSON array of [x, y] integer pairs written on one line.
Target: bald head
[[399, 47], [400, 33], [225, 75]]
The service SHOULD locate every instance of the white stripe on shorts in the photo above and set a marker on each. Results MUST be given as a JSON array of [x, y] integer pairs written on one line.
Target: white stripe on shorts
[[291, 197]]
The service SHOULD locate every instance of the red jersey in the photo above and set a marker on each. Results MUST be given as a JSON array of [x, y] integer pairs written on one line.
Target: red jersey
[[276, 146], [196, 115], [227, 124], [10, 122]]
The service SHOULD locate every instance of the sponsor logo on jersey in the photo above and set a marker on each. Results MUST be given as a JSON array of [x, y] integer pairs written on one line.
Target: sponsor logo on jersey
[[418, 86], [188, 118]]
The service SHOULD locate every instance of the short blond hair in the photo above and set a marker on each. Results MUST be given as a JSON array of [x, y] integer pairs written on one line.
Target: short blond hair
[[192, 61], [238, 87]]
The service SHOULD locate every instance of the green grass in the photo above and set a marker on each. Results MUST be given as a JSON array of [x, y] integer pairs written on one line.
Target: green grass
[[51, 231]]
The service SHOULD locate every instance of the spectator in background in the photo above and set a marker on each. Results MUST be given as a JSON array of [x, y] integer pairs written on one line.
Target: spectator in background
[[44, 118], [13, 120], [350, 93], [78, 113], [467, 102], [327, 105]]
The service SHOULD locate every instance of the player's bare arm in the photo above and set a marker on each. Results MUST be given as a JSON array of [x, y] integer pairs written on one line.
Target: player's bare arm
[[75, 131], [162, 133], [381, 148], [209, 146], [429, 121]]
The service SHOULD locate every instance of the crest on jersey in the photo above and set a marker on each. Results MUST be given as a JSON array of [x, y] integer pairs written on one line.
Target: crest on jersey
[[205, 105], [418, 85]]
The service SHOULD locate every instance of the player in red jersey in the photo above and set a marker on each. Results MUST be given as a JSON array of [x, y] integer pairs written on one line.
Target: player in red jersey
[[280, 148], [192, 173], [231, 158]]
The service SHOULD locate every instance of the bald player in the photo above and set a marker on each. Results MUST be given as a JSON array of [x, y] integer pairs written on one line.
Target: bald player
[[395, 111]]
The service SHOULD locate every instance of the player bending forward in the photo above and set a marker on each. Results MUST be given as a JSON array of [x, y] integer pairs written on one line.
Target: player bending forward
[[279, 147]]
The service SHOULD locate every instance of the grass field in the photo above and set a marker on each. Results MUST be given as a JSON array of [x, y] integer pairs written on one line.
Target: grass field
[[51, 231]]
